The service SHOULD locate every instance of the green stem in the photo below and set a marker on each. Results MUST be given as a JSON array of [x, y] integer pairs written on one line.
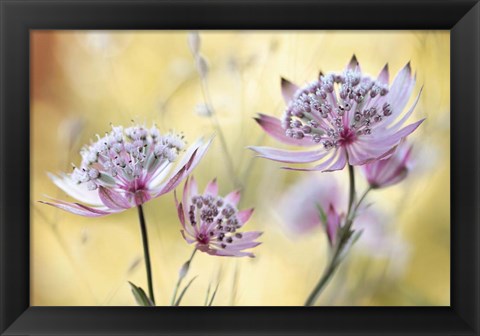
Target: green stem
[[146, 252], [351, 197], [181, 276], [334, 261], [223, 141]]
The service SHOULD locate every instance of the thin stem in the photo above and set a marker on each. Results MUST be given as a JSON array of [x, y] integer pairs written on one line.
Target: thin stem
[[146, 252], [223, 141], [361, 199], [334, 261], [351, 197], [183, 273]]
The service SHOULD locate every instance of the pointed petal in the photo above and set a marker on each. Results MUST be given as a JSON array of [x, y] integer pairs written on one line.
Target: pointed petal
[[332, 225], [339, 163], [273, 127], [244, 215], [407, 115], [400, 91], [383, 76], [233, 198], [288, 90], [289, 156], [174, 180], [323, 165], [242, 245], [77, 191], [181, 215], [211, 188], [230, 253], [397, 136], [353, 64], [113, 199], [251, 235], [79, 209], [189, 161], [363, 152]]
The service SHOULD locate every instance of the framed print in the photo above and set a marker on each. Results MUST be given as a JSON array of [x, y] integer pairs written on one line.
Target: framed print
[[239, 168]]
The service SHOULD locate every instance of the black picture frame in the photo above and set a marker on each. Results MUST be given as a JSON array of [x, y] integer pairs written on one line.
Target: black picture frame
[[18, 17]]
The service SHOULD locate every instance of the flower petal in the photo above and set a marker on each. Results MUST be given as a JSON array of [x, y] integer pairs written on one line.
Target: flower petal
[[353, 64], [288, 90], [79, 209], [273, 127], [173, 181], [405, 117], [179, 206], [322, 166], [400, 91], [339, 163], [234, 197], [244, 215], [113, 199], [211, 188], [383, 76], [289, 156], [77, 191], [230, 253]]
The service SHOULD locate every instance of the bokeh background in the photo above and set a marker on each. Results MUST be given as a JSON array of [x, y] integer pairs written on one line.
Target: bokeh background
[[81, 81]]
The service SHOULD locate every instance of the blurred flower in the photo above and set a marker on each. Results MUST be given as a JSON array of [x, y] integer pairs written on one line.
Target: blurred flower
[[126, 168], [386, 172], [300, 210], [212, 221], [355, 118], [299, 206], [378, 238], [332, 221]]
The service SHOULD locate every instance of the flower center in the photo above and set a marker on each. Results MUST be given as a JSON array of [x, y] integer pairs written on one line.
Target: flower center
[[217, 218], [336, 109], [346, 137], [127, 158]]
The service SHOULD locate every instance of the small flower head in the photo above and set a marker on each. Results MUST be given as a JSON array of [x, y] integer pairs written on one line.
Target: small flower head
[[349, 116], [312, 202], [126, 168], [213, 222], [387, 172]]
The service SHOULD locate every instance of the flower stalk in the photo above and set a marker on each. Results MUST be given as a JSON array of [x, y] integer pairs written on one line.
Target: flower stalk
[[146, 252], [345, 233], [182, 274]]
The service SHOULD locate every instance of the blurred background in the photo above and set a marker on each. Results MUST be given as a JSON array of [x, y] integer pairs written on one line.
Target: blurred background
[[81, 81]]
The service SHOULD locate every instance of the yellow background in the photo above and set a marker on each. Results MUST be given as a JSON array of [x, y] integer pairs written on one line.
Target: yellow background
[[83, 81]]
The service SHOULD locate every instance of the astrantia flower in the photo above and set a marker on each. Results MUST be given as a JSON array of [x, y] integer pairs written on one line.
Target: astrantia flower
[[351, 118], [126, 168], [299, 210], [212, 222], [301, 204], [386, 172]]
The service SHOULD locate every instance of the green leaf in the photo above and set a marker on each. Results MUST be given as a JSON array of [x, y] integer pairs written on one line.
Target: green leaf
[[140, 297], [183, 292], [323, 215], [213, 295]]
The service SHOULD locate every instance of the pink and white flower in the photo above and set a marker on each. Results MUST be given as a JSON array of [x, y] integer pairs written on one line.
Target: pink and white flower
[[299, 207], [126, 168], [387, 172], [299, 210], [212, 222], [348, 117]]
